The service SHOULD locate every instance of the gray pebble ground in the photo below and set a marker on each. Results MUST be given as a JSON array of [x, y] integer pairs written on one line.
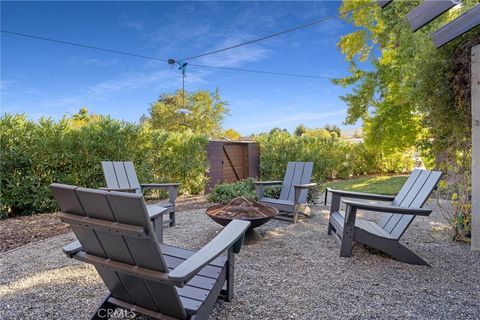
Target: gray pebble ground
[[294, 272]]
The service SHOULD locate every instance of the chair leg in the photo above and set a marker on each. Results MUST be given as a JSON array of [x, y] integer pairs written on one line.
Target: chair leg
[[346, 247], [158, 227], [348, 230], [335, 203], [392, 247], [404, 254], [334, 207], [104, 309], [295, 214], [329, 230], [230, 275], [172, 219]]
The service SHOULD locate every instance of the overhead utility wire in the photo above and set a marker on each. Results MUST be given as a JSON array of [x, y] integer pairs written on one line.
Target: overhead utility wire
[[260, 71], [158, 59], [82, 45], [306, 25]]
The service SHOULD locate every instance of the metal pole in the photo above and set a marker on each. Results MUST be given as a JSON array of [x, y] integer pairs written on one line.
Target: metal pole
[[183, 89]]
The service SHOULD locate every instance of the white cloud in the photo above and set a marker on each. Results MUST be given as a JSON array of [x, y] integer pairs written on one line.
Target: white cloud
[[158, 81], [234, 57], [172, 37], [9, 88], [131, 23], [5, 84], [137, 25], [165, 79], [94, 61]]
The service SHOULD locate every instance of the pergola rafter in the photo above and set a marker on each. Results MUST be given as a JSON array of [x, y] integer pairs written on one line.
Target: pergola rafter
[[426, 12]]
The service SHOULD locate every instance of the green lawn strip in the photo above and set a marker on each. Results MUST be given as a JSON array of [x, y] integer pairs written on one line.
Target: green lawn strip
[[389, 185]]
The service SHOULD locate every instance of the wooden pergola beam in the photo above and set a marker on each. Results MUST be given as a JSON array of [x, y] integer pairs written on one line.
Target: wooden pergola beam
[[457, 27], [427, 11], [384, 3]]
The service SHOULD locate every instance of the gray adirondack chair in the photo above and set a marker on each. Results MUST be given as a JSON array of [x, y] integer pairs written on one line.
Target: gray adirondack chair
[[144, 276], [398, 215], [121, 176], [293, 196]]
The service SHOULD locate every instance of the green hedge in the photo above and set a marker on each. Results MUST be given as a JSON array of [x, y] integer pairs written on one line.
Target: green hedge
[[333, 158], [37, 153], [223, 193]]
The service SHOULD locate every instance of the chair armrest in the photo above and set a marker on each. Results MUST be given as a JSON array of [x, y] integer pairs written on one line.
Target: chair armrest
[[298, 188], [387, 208], [361, 195], [305, 186], [155, 211], [231, 236], [171, 187], [159, 185], [72, 248], [268, 183], [132, 190]]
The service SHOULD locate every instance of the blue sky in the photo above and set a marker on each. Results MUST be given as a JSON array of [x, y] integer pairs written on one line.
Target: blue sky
[[46, 79]]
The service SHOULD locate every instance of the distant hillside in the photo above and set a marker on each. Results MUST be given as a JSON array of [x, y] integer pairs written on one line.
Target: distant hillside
[[352, 133]]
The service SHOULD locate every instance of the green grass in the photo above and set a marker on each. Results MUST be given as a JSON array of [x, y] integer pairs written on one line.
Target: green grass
[[389, 185]]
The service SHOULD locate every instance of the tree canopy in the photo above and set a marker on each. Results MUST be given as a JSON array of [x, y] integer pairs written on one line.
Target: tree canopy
[[83, 117], [207, 111], [411, 95], [300, 130], [403, 88], [231, 134], [328, 131]]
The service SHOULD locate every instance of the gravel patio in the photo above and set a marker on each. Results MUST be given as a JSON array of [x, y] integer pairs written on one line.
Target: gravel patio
[[294, 272]]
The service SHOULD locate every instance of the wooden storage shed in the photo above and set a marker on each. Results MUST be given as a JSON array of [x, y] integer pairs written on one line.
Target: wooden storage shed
[[231, 161]]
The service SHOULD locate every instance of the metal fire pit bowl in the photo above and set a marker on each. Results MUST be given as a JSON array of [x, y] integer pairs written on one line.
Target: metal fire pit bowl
[[255, 222]]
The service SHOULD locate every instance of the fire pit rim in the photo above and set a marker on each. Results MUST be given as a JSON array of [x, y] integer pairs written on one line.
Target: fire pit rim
[[256, 222], [275, 211]]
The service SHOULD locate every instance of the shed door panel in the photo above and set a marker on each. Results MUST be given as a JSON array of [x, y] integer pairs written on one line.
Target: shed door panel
[[235, 166]]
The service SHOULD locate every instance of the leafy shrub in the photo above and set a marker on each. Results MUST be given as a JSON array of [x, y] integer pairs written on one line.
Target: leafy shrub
[[223, 193], [457, 187], [272, 191], [333, 158], [35, 154]]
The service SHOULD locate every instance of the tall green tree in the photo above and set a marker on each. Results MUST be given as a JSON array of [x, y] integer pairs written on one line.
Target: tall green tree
[[333, 128], [408, 98], [207, 111], [319, 133], [231, 134], [410, 94], [300, 130], [278, 130], [83, 117]]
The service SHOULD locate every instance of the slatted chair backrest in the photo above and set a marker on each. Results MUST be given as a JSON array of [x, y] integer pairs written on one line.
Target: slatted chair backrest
[[413, 194], [121, 174], [297, 173], [128, 212]]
